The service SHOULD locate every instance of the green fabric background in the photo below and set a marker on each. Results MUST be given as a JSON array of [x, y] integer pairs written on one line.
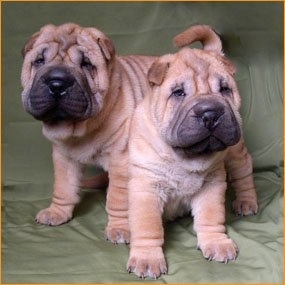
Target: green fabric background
[[77, 252]]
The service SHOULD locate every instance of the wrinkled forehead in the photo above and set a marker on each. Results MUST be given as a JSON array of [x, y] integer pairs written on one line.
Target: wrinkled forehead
[[51, 33], [200, 62], [67, 35]]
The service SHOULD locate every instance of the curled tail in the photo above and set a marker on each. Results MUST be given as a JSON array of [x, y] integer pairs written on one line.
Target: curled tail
[[202, 33]]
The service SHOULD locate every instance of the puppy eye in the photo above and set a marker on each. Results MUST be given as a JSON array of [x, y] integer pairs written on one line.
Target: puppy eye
[[86, 63], [179, 92], [225, 90], [39, 61]]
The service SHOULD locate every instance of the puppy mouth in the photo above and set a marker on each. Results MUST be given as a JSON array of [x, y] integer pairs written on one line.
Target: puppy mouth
[[47, 108], [55, 115], [205, 146], [207, 142]]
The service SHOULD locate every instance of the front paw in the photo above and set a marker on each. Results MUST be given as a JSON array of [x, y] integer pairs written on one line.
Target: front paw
[[117, 235], [147, 262], [52, 217], [245, 207], [221, 249]]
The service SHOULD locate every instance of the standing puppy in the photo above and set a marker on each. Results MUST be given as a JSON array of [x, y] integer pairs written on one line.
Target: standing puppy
[[85, 95], [183, 134]]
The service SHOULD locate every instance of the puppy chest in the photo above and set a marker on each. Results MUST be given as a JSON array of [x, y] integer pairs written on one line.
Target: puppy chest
[[88, 154], [176, 193]]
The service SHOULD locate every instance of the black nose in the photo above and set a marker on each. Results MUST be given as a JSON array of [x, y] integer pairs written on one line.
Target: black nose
[[211, 119], [209, 113], [58, 81], [57, 87]]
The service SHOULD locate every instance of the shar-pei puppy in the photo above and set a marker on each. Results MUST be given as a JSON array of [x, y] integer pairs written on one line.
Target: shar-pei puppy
[[85, 95], [184, 134]]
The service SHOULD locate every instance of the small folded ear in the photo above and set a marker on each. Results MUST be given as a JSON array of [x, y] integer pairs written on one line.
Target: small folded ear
[[157, 72], [107, 48], [29, 44]]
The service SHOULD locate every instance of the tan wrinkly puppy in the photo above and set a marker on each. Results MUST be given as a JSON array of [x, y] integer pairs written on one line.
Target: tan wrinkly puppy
[[183, 134], [84, 94]]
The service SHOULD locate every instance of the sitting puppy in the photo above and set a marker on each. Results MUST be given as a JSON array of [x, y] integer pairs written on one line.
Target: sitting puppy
[[183, 135]]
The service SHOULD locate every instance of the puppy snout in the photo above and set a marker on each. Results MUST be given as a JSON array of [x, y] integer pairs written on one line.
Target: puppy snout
[[209, 114], [58, 81]]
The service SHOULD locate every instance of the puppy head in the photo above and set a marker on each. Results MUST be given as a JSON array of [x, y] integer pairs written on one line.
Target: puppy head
[[65, 73], [195, 101]]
